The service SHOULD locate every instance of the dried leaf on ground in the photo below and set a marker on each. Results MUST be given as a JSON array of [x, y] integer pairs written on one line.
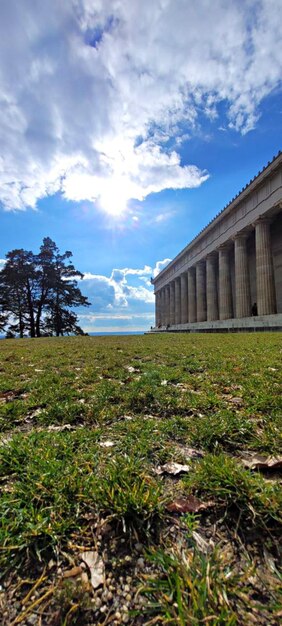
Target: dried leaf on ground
[[73, 572], [236, 400], [192, 453], [34, 414], [191, 504], [106, 444], [172, 468], [252, 460], [9, 396], [60, 428], [96, 567], [164, 383]]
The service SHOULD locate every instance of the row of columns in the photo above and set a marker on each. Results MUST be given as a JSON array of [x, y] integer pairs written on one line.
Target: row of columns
[[204, 291]]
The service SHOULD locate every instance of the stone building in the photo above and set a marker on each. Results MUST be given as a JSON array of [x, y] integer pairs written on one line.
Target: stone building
[[230, 276]]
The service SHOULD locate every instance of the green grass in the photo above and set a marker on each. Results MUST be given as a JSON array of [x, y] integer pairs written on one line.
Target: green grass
[[84, 423]]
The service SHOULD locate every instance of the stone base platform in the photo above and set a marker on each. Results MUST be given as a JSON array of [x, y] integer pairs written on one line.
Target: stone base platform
[[245, 324]]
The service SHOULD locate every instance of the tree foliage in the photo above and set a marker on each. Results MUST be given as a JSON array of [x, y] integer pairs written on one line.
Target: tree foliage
[[38, 292]]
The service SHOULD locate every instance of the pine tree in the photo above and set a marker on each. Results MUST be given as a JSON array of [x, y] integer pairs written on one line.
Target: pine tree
[[37, 292], [17, 290]]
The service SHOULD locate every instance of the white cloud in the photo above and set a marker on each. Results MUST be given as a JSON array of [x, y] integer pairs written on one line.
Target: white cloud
[[91, 91], [160, 265], [103, 316], [117, 294], [163, 217]]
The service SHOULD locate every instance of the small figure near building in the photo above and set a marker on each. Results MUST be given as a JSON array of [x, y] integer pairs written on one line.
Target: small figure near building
[[254, 309]]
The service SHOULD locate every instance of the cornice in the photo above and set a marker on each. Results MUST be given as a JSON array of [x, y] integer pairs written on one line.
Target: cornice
[[239, 197]]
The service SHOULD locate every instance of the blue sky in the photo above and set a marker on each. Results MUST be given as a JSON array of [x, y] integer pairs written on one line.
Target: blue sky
[[126, 126]]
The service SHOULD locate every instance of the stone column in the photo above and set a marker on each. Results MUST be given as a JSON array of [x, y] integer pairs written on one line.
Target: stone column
[[172, 303], [242, 277], [266, 298], [162, 316], [225, 289], [192, 295], [167, 305], [177, 301], [201, 291], [184, 298], [212, 297], [157, 308]]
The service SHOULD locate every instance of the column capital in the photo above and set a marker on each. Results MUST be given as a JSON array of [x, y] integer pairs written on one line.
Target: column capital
[[262, 220], [242, 235], [212, 256], [225, 247]]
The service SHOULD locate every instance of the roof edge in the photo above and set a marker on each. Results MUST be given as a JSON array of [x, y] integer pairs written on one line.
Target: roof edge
[[248, 188]]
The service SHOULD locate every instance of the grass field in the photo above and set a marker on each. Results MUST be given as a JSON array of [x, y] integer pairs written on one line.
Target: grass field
[[141, 480]]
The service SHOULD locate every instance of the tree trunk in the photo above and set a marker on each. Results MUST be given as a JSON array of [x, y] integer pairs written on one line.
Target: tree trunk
[[31, 311], [38, 318], [21, 323]]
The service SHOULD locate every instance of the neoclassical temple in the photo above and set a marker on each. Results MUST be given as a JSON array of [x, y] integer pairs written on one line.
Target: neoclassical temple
[[230, 275]]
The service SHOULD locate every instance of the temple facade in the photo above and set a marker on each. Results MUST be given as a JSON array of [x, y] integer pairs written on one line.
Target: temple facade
[[230, 275]]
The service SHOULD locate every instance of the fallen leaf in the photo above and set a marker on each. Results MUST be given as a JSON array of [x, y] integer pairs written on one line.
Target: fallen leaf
[[172, 468], [106, 444], [9, 396], [252, 460], [164, 383], [130, 369], [96, 567], [191, 504], [35, 413], [192, 453], [231, 388], [60, 428], [236, 400], [73, 572]]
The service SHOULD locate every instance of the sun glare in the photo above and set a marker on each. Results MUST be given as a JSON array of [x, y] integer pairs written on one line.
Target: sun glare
[[113, 199]]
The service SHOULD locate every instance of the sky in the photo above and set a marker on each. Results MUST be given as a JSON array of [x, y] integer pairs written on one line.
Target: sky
[[125, 126]]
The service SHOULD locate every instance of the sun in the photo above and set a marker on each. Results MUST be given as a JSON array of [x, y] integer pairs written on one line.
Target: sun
[[113, 199]]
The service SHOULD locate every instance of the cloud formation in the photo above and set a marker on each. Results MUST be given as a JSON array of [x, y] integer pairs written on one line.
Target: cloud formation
[[94, 94], [113, 295]]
